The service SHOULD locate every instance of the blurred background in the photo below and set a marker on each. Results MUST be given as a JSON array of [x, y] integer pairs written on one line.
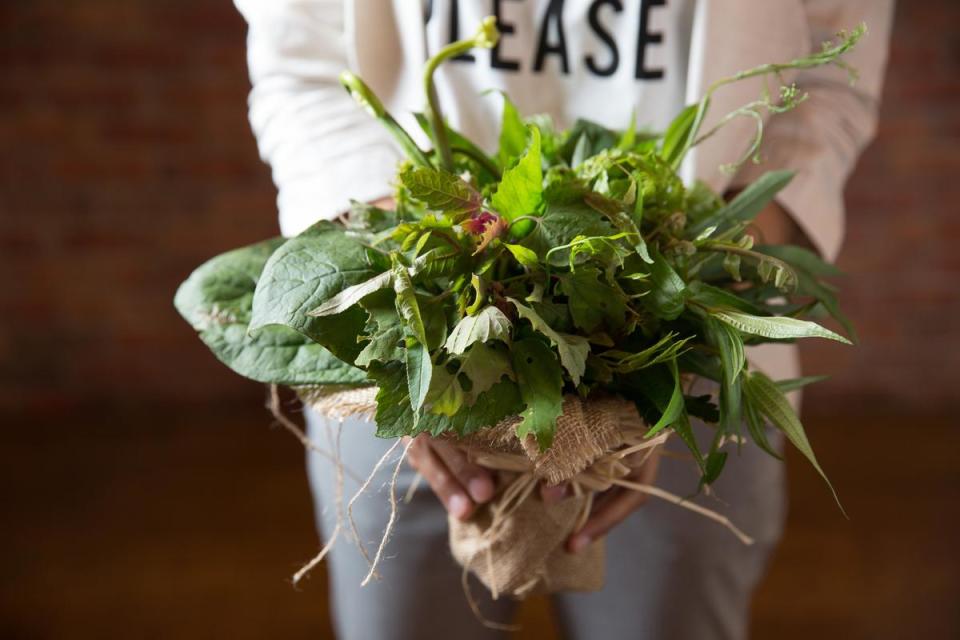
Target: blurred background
[[143, 490]]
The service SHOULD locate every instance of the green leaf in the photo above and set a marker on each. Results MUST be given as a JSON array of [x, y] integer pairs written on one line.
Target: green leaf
[[384, 331], [730, 345], [676, 135], [513, 134], [793, 384], [217, 301], [541, 384], [485, 365], [668, 293], [809, 269], [593, 303], [800, 258], [445, 396], [561, 224], [773, 404], [352, 295], [419, 370], [716, 298], [757, 428], [301, 275], [440, 190], [573, 349], [524, 256], [407, 305], [674, 408], [394, 416], [488, 324], [776, 327], [747, 204], [521, 189]]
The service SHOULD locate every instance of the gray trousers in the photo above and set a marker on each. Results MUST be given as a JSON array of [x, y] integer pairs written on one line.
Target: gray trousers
[[670, 574]]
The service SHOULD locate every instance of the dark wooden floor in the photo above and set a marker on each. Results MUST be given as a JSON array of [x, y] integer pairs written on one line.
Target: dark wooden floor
[[188, 525]]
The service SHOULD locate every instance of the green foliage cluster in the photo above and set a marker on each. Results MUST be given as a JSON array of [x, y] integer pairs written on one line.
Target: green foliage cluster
[[568, 262]]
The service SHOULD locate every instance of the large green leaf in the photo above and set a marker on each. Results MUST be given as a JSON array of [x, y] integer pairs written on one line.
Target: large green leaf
[[521, 188], [770, 401], [217, 301], [776, 327], [305, 272], [541, 385], [573, 349], [488, 324]]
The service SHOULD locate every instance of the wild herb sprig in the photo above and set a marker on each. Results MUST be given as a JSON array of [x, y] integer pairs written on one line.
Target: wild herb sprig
[[569, 262]]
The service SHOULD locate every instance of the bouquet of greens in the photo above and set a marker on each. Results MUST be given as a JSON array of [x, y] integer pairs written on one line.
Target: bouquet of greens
[[568, 262]]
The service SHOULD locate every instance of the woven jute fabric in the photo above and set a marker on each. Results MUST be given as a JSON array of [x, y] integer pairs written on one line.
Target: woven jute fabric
[[514, 544]]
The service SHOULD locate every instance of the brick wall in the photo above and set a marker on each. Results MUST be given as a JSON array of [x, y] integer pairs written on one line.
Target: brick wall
[[126, 159]]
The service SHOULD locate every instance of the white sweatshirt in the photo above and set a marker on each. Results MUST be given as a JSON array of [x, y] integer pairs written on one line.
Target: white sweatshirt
[[601, 60]]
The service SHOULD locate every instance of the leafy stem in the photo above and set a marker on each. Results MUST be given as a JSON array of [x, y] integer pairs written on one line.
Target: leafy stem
[[365, 96], [486, 37], [828, 54]]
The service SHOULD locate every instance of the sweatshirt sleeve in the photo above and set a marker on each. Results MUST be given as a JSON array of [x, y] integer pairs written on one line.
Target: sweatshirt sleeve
[[822, 138], [323, 148]]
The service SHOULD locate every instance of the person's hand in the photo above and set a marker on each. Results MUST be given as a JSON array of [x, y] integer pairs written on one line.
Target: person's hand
[[614, 505], [458, 483]]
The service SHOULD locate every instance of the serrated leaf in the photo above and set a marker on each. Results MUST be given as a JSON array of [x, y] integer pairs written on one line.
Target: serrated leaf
[[729, 344], [488, 324], [440, 190], [520, 191], [561, 224], [773, 404], [419, 370], [573, 350], [541, 384], [776, 327], [385, 333], [485, 366], [394, 416], [445, 397], [593, 303], [407, 306]]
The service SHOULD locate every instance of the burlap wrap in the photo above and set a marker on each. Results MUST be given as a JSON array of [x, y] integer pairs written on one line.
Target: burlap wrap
[[515, 543]]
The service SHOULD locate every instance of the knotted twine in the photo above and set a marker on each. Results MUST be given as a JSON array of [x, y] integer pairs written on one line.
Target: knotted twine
[[514, 544]]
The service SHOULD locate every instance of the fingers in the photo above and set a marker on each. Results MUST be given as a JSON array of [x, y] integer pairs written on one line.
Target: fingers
[[475, 479], [615, 507], [554, 493], [612, 512], [459, 484]]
